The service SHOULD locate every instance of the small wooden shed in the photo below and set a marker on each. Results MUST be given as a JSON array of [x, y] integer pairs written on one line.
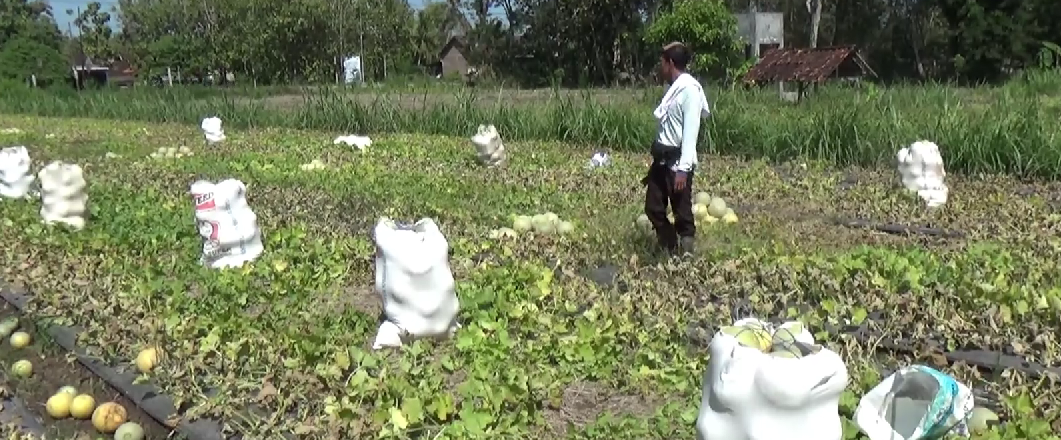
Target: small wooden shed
[[451, 60], [121, 74], [809, 66], [85, 70]]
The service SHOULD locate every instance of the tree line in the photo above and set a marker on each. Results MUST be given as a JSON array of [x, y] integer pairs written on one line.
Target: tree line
[[530, 42]]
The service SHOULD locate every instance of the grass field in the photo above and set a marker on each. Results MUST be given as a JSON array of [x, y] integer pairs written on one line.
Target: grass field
[[586, 336], [1010, 129]]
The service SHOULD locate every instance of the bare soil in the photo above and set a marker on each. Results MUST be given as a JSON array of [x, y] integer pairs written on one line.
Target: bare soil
[[52, 369], [429, 99], [584, 402]]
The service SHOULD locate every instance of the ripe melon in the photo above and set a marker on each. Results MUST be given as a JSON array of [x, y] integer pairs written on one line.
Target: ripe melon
[[717, 208], [58, 406], [108, 417], [565, 227], [786, 352], [982, 419], [129, 431], [9, 325], [730, 217], [702, 198], [20, 339], [700, 211], [147, 360], [22, 368], [540, 223], [643, 221], [749, 336], [787, 333], [522, 223], [82, 406]]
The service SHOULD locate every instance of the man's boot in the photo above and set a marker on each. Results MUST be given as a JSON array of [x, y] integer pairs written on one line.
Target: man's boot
[[668, 245], [688, 245]]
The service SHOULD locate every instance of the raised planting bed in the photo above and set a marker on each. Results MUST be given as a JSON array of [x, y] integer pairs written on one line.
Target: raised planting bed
[[58, 361], [53, 369], [16, 420]]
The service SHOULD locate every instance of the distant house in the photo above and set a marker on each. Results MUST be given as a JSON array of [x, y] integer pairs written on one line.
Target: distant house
[[85, 70], [808, 67], [451, 60], [121, 74]]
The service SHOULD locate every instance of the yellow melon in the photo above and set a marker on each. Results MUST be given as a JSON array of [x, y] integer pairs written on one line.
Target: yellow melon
[[82, 406], [108, 417]]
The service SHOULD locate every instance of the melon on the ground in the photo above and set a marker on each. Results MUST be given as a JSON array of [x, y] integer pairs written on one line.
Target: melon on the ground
[[82, 406], [108, 417], [129, 431], [147, 360], [717, 208], [58, 406]]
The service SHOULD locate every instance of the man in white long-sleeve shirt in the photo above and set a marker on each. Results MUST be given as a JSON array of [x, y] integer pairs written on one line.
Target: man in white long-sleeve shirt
[[670, 177]]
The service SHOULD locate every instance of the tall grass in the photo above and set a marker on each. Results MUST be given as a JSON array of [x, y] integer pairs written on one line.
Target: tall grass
[[1011, 129]]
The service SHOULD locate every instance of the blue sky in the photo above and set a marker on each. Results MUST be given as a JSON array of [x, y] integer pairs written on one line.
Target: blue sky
[[59, 7]]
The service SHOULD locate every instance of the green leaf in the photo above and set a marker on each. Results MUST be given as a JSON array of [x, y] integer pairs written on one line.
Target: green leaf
[[475, 421], [397, 419], [413, 408]]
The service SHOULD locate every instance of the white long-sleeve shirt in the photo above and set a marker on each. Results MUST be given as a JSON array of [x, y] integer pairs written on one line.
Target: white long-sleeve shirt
[[680, 124]]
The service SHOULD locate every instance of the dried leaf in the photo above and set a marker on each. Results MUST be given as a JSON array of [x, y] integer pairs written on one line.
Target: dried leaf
[[267, 391]]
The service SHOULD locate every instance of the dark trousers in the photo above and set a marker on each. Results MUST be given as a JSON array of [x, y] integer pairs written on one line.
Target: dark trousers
[[660, 191]]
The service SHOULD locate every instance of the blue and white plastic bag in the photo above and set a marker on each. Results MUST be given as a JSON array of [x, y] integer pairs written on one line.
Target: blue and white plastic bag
[[915, 403]]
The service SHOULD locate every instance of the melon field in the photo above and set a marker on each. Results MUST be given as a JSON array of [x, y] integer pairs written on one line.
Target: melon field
[[587, 335]]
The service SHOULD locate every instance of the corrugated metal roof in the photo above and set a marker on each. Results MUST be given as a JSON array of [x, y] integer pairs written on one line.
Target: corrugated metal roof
[[805, 65]]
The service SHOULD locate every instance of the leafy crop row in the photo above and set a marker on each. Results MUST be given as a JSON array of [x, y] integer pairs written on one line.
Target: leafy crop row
[[552, 344]]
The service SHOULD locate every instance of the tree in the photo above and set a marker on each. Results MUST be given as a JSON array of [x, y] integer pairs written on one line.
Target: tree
[[707, 27], [989, 38], [21, 58], [31, 20], [433, 29], [30, 42], [566, 42], [96, 35], [570, 42], [165, 34]]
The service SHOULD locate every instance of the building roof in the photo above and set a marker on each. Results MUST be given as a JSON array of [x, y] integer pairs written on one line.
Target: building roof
[[122, 67], [80, 59], [453, 43], [805, 65], [117, 66]]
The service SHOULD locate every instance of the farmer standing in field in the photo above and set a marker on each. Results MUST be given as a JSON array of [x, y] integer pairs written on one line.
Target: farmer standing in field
[[670, 177]]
